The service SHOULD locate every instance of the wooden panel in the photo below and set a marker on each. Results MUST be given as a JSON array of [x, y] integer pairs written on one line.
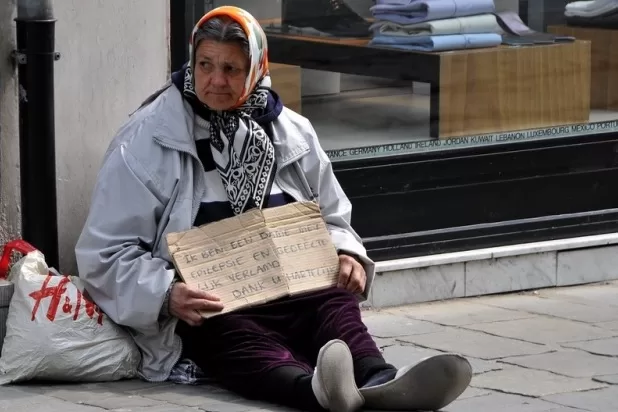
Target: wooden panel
[[604, 63], [287, 83], [513, 88]]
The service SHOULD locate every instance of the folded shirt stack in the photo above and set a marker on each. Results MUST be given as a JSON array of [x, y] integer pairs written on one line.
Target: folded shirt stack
[[435, 25], [592, 8], [597, 13]]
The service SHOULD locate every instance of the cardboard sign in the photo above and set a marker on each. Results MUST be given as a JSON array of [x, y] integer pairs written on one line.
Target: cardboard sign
[[258, 256]]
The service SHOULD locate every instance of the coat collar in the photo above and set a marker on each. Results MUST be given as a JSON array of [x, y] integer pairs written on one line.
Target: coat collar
[[175, 123]]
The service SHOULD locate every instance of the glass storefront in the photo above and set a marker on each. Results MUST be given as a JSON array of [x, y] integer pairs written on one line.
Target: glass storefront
[[387, 77], [505, 84]]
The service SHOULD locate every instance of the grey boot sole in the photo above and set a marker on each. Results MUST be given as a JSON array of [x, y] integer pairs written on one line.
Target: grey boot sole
[[429, 385], [334, 362]]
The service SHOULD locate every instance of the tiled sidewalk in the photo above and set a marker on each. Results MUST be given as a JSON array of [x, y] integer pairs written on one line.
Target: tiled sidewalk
[[551, 351]]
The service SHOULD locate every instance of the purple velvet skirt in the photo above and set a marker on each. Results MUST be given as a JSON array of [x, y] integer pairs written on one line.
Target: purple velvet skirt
[[246, 344]]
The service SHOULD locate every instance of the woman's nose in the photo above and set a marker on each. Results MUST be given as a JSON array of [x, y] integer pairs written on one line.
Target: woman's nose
[[219, 78]]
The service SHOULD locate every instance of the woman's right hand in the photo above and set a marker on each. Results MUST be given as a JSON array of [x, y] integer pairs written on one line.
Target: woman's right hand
[[186, 303]]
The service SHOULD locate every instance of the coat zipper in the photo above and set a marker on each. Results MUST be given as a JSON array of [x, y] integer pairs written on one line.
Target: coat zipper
[[305, 188], [303, 180], [194, 209]]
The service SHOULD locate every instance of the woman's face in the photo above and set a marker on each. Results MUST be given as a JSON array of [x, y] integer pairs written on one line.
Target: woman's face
[[220, 73]]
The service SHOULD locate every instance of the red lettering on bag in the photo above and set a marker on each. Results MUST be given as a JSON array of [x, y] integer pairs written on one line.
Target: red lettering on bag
[[91, 308], [78, 304], [67, 307], [55, 293]]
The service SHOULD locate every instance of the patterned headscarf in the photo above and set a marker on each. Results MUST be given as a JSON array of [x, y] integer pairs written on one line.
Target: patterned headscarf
[[241, 149], [258, 46]]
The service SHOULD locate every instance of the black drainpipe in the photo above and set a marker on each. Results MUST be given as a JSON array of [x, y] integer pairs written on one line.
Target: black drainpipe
[[35, 56]]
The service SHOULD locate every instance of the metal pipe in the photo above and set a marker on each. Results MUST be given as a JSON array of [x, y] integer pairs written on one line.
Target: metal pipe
[[35, 56]]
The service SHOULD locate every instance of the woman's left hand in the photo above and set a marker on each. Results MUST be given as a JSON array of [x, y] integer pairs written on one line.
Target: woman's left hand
[[352, 275]]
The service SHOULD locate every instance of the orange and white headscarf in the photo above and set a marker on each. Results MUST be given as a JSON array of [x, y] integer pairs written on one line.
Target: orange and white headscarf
[[258, 46], [241, 149]]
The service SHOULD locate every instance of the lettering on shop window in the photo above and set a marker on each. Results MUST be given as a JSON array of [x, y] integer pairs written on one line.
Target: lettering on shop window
[[470, 141], [260, 255], [59, 301]]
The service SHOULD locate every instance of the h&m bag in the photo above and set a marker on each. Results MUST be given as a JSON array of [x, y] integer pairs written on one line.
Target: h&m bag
[[54, 331]]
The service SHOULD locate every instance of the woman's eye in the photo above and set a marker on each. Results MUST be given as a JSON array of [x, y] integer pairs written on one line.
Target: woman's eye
[[231, 70]]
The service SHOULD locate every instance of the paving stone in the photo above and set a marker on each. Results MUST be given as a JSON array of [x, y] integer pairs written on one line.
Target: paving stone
[[471, 392], [367, 313], [9, 392], [133, 386], [459, 312], [385, 342], [529, 382], [572, 363], [387, 325], [606, 347], [102, 398], [483, 366], [600, 296], [189, 395], [163, 408], [128, 386], [402, 355], [554, 307], [276, 408], [543, 330], [603, 400], [14, 399], [475, 344], [499, 402], [240, 406], [608, 325], [611, 379]]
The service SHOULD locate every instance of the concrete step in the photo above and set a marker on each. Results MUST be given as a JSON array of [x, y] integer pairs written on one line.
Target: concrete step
[[504, 269]]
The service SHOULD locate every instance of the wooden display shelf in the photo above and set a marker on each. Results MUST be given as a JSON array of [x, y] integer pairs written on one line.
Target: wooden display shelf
[[286, 82], [475, 91], [513, 88], [604, 63]]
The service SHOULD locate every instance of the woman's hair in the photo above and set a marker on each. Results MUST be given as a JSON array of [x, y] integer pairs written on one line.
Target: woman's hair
[[223, 29]]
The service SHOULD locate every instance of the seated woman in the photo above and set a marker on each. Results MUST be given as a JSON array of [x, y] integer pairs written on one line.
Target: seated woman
[[215, 142]]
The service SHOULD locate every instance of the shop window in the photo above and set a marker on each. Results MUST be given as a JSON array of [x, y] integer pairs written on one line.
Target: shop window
[[391, 77]]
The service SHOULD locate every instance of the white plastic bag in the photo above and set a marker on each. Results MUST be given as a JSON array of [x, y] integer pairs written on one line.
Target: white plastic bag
[[55, 332], [6, 292]]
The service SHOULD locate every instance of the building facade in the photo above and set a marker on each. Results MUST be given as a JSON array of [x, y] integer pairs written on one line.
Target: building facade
[[113, 55]]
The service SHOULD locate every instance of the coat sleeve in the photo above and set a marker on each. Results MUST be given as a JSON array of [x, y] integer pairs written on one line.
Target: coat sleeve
[[113, 251], [335, 206]]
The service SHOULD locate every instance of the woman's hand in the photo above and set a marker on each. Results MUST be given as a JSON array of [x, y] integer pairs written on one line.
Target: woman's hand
[[352, 275], [187, 302]]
